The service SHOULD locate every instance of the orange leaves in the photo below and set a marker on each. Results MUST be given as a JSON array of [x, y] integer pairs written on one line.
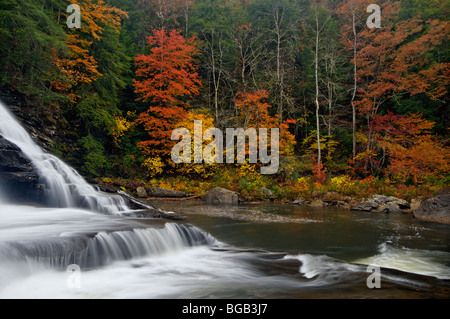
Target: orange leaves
[[422, 160], [395, 59], [96, 14], [414, 153], [254, 112], [169, 71], [79, 66], [165, 76], [159, 122]]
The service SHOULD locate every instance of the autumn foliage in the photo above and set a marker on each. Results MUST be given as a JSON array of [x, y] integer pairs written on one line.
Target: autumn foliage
[[414, 153], [165, 76], [253, 111], [79, 66], [369, 106]]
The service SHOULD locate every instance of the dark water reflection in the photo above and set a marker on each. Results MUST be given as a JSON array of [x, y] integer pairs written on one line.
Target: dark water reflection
[[346, 235]]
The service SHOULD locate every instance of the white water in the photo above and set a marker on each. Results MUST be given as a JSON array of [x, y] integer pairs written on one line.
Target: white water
[[417, 261], [81, 226], [64, 187], [123, 258]]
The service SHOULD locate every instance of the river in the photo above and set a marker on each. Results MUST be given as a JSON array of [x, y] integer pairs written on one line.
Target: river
[[82, 243]]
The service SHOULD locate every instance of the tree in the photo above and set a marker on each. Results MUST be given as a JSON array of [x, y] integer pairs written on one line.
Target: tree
[[395, 62], [251, 50], [254, 113], [29, 34], [164, 77], [317, 26], [79, 66], [352, 14], [212, 22], [413, 152], [278, 22]]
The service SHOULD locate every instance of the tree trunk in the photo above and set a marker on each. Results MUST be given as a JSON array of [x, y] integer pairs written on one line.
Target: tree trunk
[[355, 85], [316, 74]]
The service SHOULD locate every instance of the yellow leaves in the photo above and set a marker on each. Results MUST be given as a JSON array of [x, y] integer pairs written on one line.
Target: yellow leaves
[[341, 184], [95, 14], [203, 169], [365, 154], [249, 171], [122, 126], [154, 166], [303, 184]]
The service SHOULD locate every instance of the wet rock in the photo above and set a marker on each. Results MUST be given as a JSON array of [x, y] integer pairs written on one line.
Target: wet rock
[[265, 191], [436, 208], [382, 204], [415, 203], [162, 192], [221, 195], [141, 192], [343, 204], [18, 178], [318, 203], [298, 201]]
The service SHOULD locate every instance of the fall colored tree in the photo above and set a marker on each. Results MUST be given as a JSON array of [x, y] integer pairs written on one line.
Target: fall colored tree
[[413, 152], [79, 66], [165, 76], [352, 14], [395, 62], [254, 112]]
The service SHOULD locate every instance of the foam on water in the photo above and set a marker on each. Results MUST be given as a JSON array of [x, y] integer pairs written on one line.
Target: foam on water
[[417, 261], [64, 187]]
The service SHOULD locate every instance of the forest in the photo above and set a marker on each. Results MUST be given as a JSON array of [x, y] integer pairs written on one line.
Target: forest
[[361, 110]]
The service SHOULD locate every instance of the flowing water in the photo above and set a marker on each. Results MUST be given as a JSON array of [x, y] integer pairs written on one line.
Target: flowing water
[[64, 187], [87, 244]]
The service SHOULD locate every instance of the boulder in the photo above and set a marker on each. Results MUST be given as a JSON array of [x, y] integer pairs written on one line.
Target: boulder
[[318, 203], [265, 191], [221, 195], [298, 201], [19, 181], [436, 208], [162, 192], [141, 192], [382, 204], [415, 203]]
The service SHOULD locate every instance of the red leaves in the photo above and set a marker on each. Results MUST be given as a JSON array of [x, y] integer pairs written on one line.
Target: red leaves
[[169, 71], [394, 59], [166, 75], [414, 153]]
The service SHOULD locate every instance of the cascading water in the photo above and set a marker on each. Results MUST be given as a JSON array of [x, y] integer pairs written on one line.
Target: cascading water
[[63, 186], [81, 226], [122, 256]]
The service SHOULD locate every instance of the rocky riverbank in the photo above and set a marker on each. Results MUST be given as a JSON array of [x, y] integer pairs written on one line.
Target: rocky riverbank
[[20, 181], [435, 208]]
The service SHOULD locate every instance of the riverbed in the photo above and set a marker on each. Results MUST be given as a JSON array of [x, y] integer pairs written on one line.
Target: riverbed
[[265, 251]]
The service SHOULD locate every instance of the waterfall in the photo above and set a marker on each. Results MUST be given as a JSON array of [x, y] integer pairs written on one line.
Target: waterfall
[[36, 240], [81, 225], [90, 251], [63, 186]]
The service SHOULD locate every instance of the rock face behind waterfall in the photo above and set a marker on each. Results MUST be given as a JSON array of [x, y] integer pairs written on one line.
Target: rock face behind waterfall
[[436, 208], [18, 179]]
